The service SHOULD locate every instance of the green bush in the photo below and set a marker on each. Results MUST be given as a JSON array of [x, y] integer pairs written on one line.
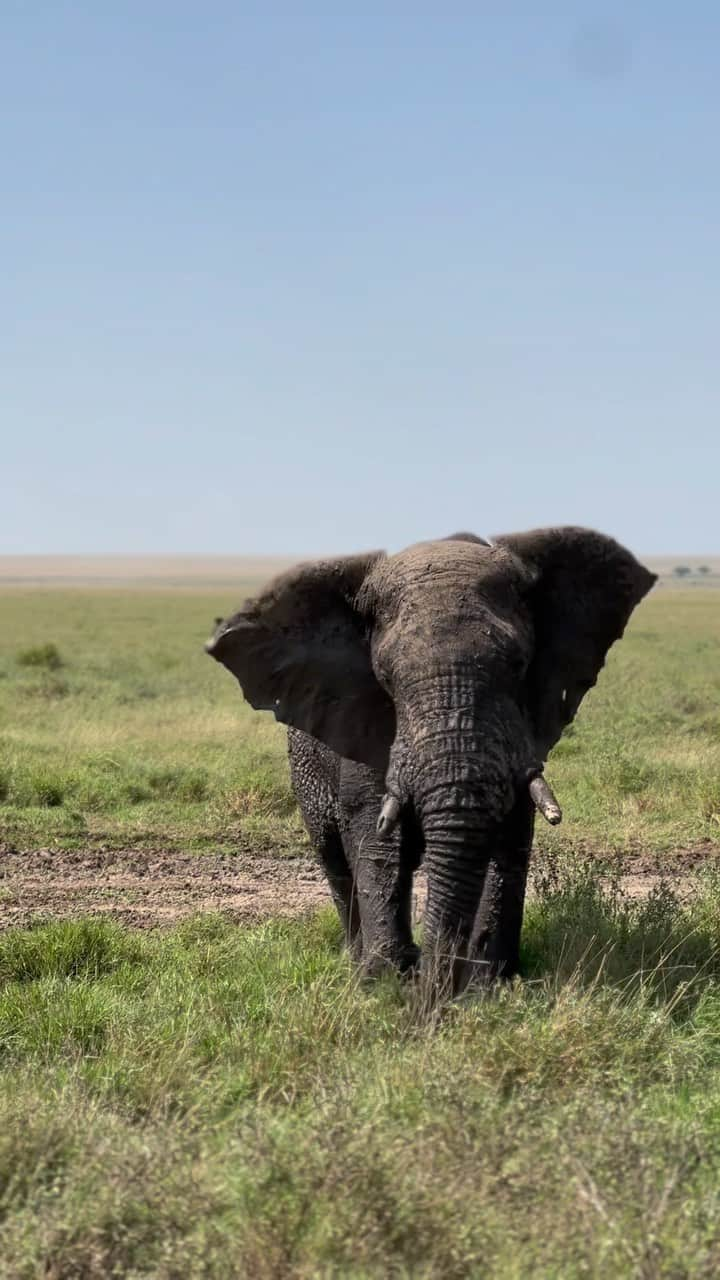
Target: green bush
[[45, 656], [78, 949], [48, 790], [179, 783]]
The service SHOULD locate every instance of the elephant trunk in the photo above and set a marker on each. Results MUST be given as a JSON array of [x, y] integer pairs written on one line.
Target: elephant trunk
[[457, 856], [460, 758], [461, 800]]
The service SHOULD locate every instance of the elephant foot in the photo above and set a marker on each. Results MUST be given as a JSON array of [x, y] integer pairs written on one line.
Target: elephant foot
[[354, 948], [488, 970], [410, 959], [463, 977], [403, 961], [485, 980]]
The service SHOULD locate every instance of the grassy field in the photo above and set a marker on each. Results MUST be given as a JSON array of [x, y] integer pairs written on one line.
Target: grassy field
[[220, 1100], [214, 1101], [123, 732], [129, 734]]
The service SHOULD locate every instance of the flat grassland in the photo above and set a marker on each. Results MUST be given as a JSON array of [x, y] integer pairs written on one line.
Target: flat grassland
[[220, 1099], [117, 730], [125, 732]]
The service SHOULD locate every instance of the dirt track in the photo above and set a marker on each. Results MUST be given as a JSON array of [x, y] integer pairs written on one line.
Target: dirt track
[[145, 888]]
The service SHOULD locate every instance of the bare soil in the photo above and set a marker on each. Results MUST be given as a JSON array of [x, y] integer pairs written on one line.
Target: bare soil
[[145, 888], [193, 571]]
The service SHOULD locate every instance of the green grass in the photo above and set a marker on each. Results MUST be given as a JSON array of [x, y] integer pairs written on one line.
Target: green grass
[[220, 1101], [116, 727], [214, 1101], [640, 766], [127, 733]]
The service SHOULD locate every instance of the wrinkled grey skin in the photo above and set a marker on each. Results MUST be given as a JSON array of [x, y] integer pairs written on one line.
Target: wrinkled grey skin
[[441, 676]]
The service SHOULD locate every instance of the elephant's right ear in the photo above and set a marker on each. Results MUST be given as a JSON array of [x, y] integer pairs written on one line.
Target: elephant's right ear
[[302, 650]]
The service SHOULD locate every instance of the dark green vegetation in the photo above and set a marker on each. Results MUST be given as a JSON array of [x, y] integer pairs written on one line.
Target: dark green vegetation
[[115, 727], [216, 1101]]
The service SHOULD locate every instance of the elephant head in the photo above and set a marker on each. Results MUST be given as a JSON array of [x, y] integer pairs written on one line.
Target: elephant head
[[451, 667]]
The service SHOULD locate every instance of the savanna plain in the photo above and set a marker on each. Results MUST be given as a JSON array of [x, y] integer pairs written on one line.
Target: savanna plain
[[192, 1081]]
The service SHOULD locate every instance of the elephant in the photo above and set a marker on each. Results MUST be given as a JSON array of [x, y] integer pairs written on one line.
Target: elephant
[[423, 692]]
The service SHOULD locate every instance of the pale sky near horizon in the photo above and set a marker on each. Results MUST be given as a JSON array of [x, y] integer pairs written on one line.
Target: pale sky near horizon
[[322, 277]]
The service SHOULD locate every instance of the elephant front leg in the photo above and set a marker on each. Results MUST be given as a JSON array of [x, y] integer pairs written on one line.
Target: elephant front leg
[[343, 889], [383, 873], [383, 882], [498, 924], [315, 776]]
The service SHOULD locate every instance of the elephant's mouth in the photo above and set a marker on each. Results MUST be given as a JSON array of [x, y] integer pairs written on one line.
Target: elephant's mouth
[[541, 794]]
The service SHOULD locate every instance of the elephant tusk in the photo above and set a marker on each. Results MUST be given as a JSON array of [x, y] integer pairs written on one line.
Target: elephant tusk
[[544, 800], [389, 815]]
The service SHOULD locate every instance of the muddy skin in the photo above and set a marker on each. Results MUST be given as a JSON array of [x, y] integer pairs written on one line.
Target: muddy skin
[[430, 686], [370, 879]]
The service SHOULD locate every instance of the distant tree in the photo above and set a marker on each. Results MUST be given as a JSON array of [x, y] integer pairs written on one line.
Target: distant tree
[[704, 568], [682, 570]]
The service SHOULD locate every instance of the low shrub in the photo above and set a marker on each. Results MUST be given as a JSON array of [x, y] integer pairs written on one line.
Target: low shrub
[[45, 656]]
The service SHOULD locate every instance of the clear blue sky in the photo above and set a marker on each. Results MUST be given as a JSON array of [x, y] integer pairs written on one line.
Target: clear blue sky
[[307, 277]]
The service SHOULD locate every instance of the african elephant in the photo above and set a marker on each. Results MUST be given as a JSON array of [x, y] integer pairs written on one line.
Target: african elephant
[[424, 691]]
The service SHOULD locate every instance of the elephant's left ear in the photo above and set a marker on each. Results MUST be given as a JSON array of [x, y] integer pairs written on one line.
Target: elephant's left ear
[[302, 651], [586, 588]]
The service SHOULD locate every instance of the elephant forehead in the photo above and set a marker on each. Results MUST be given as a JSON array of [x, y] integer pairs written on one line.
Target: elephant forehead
[[429, 559], [449, 580], [429, 637]]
